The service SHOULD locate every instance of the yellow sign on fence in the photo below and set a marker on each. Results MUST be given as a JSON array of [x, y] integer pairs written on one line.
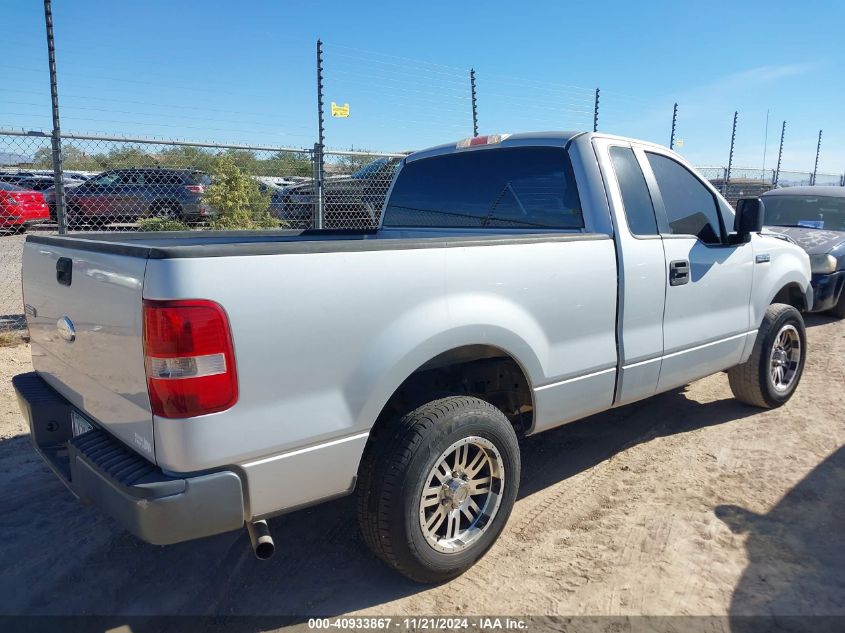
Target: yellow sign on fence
[[340, 110]]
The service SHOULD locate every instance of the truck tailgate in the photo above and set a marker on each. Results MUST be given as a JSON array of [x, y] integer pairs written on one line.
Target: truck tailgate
[[87, 335]]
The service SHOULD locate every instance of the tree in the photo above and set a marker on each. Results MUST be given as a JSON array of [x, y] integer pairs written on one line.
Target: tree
[[237, 198], [351, 164], [288, 164]]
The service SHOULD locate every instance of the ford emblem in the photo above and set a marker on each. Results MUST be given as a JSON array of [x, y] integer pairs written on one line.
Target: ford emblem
[[66, 329]]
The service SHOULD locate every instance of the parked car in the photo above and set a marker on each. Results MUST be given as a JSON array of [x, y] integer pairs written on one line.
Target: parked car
[[517, 283], [350, 201], [128, 194], [814, 217], [50, 195], [43, 183], [20, 208]]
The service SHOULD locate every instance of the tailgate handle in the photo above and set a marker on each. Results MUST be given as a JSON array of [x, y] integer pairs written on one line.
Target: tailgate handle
[[64, 271]]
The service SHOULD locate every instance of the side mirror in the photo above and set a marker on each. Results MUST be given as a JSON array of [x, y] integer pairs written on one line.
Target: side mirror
[[749, 218]]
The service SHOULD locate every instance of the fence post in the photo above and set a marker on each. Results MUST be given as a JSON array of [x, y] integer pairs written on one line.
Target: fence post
[[780, 154], [474, 102], [816, 165], [674, 121], [596, 112], [318, 146], [56, 140], [730, 157]]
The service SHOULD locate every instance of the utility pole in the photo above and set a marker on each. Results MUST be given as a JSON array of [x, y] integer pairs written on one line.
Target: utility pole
[[319, 145], [780, 154], [596, 112], [56, 139], [674, 121], [730, 157], [816, 166], [474, 102]]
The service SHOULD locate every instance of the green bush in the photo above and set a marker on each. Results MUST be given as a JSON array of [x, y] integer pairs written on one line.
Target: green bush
[[161, 224], [237, 199]]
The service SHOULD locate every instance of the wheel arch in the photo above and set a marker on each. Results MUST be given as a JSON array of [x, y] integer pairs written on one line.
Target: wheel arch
[[483, 370], [792, 294]]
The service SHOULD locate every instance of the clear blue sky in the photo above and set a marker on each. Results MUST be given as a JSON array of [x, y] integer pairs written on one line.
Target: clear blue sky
[[244, 71]]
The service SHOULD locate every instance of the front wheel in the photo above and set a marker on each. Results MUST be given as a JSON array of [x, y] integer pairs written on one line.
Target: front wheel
[[772, 373], [437, 487]]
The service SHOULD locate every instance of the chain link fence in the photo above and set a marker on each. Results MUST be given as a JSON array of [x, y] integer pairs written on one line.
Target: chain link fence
[[122, 184], [129, 184]]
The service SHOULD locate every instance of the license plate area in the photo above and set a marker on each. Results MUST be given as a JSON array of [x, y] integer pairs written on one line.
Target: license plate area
[[80, 424]]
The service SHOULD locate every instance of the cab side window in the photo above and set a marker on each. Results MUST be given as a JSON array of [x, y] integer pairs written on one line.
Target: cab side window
[[639, 210], [690, 207]]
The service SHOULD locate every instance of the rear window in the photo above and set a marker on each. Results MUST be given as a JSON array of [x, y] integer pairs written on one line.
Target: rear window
[[521, 187], [7, 186], [166, 178]]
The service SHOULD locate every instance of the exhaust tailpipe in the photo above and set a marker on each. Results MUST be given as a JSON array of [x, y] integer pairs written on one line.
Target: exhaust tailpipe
[[261, 539]]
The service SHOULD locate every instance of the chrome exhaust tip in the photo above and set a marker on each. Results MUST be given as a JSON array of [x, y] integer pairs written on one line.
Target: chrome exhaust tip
[[261, 539]]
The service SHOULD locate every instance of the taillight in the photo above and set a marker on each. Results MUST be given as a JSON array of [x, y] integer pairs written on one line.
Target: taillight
[[195, 188], [189, 358]]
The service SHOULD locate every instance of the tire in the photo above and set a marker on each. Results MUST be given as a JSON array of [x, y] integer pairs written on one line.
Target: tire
[[167, 211], [753, 381], [75, 219], [838, 310], [399, 465]]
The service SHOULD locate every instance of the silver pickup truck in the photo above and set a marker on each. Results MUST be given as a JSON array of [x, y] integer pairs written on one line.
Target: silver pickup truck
[[194, 383]]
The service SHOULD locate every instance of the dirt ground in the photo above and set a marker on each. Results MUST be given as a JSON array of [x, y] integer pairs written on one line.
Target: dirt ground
[[688, 503]]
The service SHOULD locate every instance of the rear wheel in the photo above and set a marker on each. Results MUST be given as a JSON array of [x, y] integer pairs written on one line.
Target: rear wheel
[[167, 210], [772, 373], [437, 487], [75, 218]]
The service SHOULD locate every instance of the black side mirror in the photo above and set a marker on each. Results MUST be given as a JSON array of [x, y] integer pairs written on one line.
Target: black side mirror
[[749, 218]]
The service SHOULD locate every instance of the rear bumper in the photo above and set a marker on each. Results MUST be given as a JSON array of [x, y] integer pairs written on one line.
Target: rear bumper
[[827, 289], [17, 220], [158, 508]]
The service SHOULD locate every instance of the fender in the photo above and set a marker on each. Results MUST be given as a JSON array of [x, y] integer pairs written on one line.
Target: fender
[[393, 356]]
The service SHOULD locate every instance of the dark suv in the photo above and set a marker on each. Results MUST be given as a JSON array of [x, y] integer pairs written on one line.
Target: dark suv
[[127, 194]]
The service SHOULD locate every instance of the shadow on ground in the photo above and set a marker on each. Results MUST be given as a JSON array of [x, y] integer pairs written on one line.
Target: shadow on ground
[[59, 557], [796, 552], [819, 318]]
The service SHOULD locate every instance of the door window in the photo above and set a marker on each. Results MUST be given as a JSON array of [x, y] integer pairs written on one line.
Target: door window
[[639, 211], [106, 180], [690, 206]]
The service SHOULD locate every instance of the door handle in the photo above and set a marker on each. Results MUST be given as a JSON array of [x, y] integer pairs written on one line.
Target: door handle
[[678, 272]]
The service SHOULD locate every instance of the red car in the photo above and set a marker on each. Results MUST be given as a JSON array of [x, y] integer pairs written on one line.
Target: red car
[[21, 207]]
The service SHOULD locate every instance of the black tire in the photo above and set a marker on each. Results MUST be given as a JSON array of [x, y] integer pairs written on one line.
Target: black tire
[[75, 219], [838, 310], [167, 211], [752, 382], [396, 468]]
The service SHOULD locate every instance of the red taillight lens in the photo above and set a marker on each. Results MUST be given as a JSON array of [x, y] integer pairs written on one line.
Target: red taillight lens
[[195, 188], [189, 358]]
